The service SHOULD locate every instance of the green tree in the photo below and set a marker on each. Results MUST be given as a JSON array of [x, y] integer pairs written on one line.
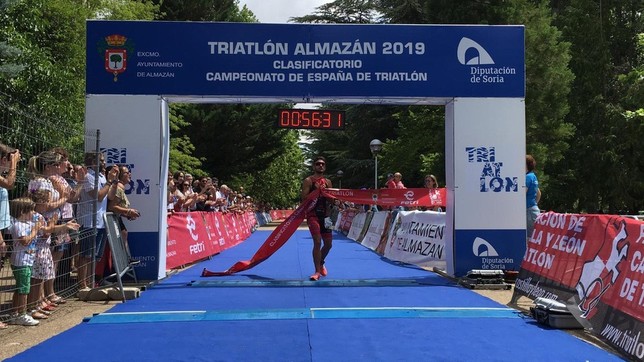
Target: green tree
[[420, 146], [204, 10], [8, 53], [342, 12], [126, 10], [181, 148], [604, 164], [280, 182], [51, 39]]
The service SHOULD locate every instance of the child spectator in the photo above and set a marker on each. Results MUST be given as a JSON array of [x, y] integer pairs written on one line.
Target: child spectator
[[51, 198], [26, 225], [43, 271]]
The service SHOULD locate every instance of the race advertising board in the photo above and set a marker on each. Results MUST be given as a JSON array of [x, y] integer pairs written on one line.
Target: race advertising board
[[594, 264], [304, 61]]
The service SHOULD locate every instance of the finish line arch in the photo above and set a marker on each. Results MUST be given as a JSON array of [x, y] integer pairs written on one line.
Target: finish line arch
[[136, 68]]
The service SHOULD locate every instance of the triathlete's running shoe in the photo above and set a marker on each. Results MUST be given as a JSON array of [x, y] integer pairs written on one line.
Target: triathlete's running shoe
[[315, 276], [323, 272]]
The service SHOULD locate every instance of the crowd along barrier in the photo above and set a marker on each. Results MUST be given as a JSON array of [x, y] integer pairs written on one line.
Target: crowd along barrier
[[594, 264]]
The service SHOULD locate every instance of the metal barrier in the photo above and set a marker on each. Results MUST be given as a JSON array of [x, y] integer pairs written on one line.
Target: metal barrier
[[123, 263]]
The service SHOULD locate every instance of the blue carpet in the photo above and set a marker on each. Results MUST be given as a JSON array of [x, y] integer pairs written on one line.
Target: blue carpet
[[367, 309]]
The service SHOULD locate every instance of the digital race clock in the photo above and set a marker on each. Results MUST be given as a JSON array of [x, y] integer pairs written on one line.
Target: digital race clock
[[311, 119]]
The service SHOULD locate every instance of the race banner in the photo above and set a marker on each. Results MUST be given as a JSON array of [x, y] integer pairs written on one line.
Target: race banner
[[391, 197], [275, 241], [356, 226], [417, 237], [594, 264]]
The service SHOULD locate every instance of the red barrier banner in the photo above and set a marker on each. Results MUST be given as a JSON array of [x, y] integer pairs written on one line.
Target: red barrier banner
[[276, 240], [594, 264], [219, 232], [391, 197], [189, 238], [230, 224]]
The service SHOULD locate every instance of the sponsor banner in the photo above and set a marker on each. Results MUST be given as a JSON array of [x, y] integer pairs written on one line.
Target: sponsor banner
[[356, 226], [488, 250], [418, 238], [594, 264], [197, 235], [391, 197], [304, 61], [375, 230], [189, 239]]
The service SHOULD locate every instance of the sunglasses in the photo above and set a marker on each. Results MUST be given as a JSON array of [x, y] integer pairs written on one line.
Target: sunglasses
[[186, 185]]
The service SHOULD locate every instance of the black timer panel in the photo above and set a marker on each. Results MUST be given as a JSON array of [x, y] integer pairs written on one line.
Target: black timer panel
[[311, 119]]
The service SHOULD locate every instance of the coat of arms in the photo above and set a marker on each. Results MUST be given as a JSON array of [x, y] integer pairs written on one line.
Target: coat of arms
[[115, 49]]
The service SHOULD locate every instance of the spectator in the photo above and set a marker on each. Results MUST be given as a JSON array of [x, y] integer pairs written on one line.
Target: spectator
[[9, 158], [178, 177], [43, 265], [172, 198], [390, 183], [175, 196], [120, 205], [533, 194], [41, 295], [62, 242], [187, 189], [335, 210], [397, 182], [226, 193], [93, 247], [196, 186], [432, 184], [25, 228], [74, 176], [188, 177], [184, 202], [50, 200]]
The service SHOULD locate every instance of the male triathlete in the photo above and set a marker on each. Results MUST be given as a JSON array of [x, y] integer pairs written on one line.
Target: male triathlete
[[316, 217]]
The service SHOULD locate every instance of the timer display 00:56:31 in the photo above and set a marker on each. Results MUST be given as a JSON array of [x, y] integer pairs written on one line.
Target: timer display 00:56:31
[[311, 119]]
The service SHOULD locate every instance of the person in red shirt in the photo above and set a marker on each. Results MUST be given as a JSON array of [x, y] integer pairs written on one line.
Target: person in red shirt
[[390, 184], [316, 218], [396, 183]]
